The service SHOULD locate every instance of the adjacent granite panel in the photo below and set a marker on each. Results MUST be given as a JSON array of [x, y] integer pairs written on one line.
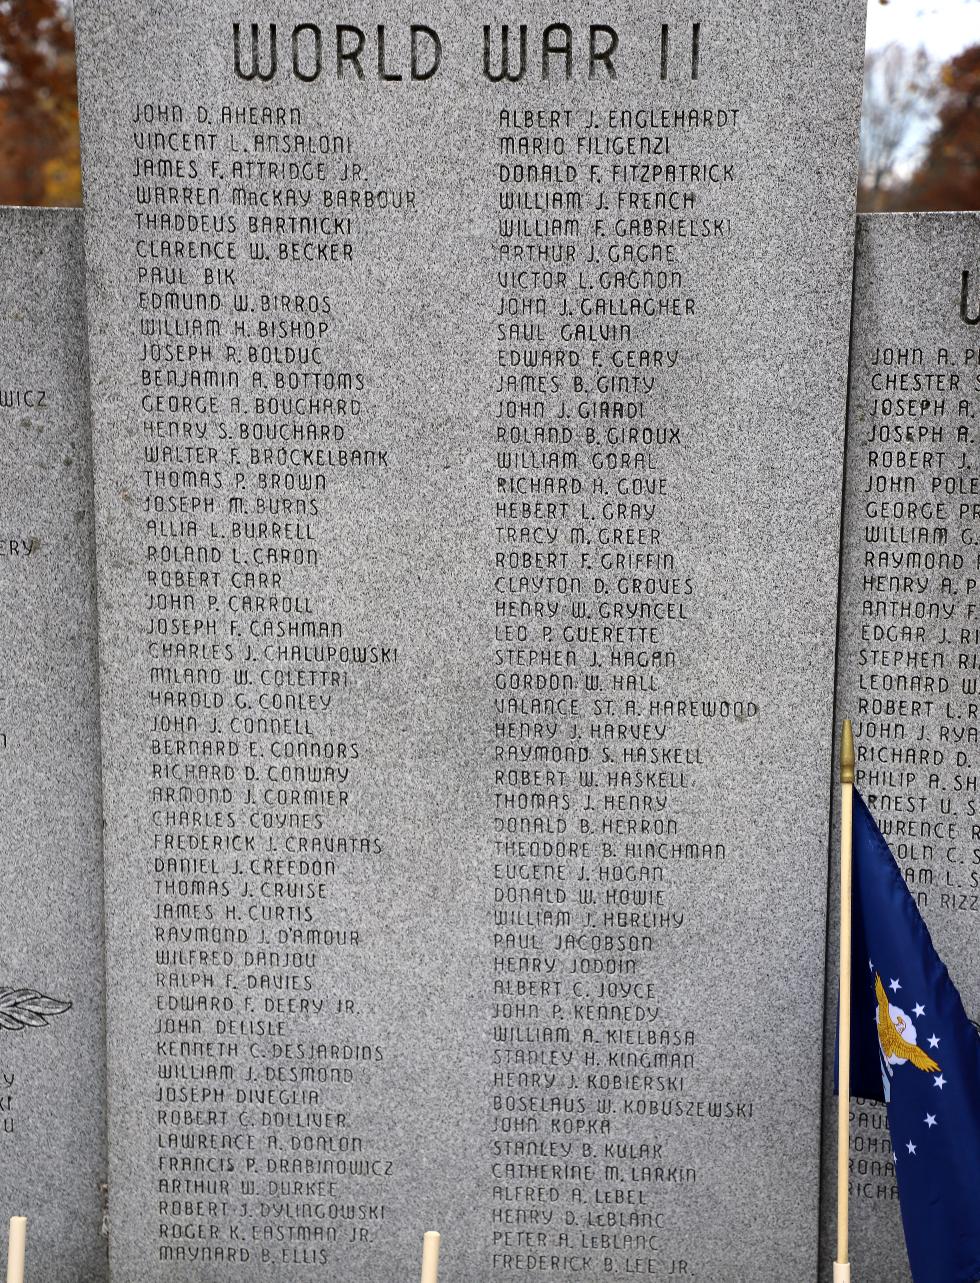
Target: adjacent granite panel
[[469, 455], [909, 668], [52, 1048]]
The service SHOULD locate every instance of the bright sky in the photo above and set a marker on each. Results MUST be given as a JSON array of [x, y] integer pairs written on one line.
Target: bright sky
[[942, 27]]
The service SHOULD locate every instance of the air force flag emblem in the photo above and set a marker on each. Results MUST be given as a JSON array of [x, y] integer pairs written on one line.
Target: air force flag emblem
[[897, 1040]]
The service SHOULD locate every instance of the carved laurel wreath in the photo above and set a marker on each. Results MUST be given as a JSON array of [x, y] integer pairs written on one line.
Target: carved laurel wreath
[[28, 1008]]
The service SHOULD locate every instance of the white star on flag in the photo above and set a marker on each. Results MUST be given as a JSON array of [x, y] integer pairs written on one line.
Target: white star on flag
[[933, 1041], [930, 1120], [940, 1082], [918, 1009], [911, 1148], [894, 986]]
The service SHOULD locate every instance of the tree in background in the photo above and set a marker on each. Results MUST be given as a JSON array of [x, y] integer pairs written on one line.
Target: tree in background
[[949, 175], [39, 152], [899, 88]]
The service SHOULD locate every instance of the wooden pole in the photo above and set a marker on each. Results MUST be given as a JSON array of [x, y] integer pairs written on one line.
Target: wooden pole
[[430, 1257], [842, 1267], [16, 1249]]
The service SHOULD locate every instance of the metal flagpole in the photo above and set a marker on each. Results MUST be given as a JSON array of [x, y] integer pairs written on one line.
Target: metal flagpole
[[842, 1268]]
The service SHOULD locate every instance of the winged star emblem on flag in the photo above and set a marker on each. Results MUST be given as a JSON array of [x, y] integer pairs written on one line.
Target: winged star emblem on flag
[[897, 1038]]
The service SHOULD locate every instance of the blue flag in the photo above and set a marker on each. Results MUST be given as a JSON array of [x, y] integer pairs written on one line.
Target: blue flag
[[913, 1047]]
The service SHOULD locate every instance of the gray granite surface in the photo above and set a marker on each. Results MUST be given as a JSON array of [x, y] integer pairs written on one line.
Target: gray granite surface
[[468, 457], [909, 665], [52, 1048]]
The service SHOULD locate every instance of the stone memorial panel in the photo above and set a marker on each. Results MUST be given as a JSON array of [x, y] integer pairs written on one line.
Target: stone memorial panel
[[469, 413], [909, 660], [52, 1030]]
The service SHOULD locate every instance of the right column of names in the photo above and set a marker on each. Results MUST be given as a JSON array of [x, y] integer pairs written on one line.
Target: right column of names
[[606, 223]]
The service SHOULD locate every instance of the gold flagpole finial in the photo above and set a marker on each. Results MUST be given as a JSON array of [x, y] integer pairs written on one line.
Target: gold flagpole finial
[[847, 753]]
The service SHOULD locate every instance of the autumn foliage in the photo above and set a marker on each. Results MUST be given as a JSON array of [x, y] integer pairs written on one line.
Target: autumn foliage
[[949, 175], [39, 155]]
